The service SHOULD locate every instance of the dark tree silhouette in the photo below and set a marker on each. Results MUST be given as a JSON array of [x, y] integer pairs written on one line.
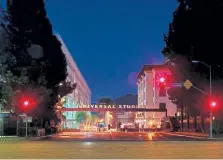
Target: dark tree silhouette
[[35, 50]]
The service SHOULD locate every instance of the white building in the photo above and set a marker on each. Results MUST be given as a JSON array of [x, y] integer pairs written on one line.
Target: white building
[[150, 95], [81, 95]]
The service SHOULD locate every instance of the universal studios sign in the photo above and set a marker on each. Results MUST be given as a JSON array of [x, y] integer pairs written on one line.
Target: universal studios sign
[[109, 106]]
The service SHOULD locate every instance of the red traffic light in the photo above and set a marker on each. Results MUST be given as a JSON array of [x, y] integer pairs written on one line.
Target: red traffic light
[[213, 104], [162, 79], [26, 103]]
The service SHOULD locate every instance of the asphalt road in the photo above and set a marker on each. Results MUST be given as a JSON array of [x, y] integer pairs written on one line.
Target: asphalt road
[[121, 136], [112, 146]]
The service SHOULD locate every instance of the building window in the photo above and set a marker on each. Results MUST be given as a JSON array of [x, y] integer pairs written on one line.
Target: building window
[[162, 106], [162, 92]]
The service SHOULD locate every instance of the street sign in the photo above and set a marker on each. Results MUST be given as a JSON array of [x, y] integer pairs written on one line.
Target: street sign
[[187, 84], [176, 84]]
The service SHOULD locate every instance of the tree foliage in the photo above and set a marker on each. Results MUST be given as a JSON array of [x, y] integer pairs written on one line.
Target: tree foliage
[[194, 34], [80, 117], [34, 51]]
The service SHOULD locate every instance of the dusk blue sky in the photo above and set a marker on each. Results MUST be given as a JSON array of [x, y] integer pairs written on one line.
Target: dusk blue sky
[[111, 40]]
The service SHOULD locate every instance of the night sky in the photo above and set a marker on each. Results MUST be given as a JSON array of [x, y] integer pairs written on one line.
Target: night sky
[[111, 40]]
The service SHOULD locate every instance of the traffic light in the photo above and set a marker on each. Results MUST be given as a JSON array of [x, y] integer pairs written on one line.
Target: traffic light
[[162, 80], [213, 104], [26, 103]]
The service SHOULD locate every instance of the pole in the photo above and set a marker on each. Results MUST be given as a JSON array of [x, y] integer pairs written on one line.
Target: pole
[[1, 121], [17, 126], [210, 108], [26, 126]]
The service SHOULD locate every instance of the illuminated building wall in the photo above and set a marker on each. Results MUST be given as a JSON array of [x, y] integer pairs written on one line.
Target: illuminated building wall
[[128, 99], [149, 94], [81, 95]]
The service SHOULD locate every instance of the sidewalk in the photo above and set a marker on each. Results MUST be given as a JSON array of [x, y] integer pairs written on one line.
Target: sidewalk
[[15, 138], [197, 134], [39, 137], [11, 138]]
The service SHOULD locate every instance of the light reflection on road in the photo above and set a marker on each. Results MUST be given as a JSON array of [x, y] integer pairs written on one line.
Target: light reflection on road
[[150, 136], [88, 143]]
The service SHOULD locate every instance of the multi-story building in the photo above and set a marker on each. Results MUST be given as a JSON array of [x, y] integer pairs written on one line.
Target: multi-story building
[[150, 95], [126, 117], [81, 95]]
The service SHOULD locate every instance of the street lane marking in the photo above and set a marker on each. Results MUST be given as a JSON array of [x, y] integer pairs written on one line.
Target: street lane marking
[[181, 135]]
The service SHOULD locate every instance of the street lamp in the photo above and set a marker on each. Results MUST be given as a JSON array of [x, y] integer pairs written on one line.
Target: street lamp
[[210, 79]]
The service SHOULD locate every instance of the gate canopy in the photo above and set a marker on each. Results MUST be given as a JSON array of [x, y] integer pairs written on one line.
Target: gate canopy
[[114, 108]]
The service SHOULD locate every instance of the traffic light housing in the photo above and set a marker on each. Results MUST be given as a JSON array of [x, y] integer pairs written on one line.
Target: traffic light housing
[[163, 79]]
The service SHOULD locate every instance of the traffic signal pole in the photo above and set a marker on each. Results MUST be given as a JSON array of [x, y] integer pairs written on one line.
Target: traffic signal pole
[[210, 94], [26, 125], [211, 116]]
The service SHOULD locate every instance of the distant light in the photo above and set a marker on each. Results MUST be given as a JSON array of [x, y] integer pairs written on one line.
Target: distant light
[[213, 118], [61, 84]]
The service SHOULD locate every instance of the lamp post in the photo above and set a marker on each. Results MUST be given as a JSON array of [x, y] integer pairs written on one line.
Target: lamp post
[[210, 94]]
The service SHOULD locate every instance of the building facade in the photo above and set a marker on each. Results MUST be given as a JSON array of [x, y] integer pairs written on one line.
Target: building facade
[[82, 93], [150, 95], [126, 117]]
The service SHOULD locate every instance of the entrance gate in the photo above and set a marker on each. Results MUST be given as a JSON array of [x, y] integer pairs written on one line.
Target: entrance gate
[[115, 109]]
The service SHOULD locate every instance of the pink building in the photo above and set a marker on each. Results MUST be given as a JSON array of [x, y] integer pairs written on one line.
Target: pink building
[[150, 95]]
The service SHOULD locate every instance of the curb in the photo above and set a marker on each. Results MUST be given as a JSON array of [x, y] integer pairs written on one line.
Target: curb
[[5, 138], [215, 139], [184, 135], [39, 138], [197, 137]]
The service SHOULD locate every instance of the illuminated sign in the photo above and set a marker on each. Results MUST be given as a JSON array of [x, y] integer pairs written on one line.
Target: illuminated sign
[[109, 106], [120, 113]]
